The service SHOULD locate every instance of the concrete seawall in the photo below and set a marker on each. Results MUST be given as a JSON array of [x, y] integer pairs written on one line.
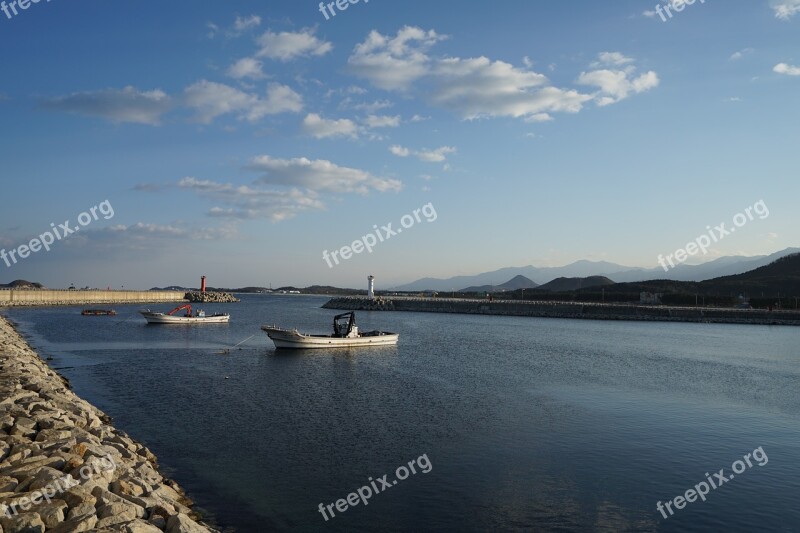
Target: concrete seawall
[[15, 297], [65, 468], [577, 310]]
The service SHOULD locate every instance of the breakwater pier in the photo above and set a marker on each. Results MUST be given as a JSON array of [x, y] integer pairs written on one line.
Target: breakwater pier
[[30, 297], [575, 310]]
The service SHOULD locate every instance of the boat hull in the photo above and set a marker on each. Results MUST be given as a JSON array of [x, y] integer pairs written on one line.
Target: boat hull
[[292, 339], [161, 318]]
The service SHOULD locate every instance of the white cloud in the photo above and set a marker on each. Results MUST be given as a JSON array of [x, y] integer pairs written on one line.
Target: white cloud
[[247, 202], [319, 175], [613, 59], [246, 67], [148, 235], [538, 117], [210, 100], [240, 26], [286, 188], [479, 87], [789, 70], [382, 121], [736, 56], [245, 23], [785, 9], [213, 29], [321, 128], [435, 156], [429, 156], [400, 151], [282, 99], [616, 85], [394, 63], [285, 46], [117, 105], [366, 107]]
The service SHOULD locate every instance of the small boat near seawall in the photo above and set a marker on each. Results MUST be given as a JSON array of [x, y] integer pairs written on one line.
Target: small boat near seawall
[[98, 312], [199, 317], [345, 335]]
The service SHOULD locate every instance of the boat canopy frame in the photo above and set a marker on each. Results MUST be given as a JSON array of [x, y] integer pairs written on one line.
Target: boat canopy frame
[[343, 324]]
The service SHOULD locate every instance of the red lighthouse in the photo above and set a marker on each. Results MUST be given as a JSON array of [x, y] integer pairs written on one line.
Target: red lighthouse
[[203, 284]]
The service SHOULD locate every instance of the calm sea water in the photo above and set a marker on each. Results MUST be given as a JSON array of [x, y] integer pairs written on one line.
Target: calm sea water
[[529, 424]]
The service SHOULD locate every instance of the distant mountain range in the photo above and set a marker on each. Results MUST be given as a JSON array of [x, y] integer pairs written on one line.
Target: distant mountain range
[[724, 266], [517, 282], [779, 278], [774, 285], [574, 284]]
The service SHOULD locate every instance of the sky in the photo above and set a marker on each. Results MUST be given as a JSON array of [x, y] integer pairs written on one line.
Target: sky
[[249, 140]]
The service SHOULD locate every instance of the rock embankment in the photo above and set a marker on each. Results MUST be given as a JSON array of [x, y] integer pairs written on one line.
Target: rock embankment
[[211, 297], [64, 468], [360, 304]]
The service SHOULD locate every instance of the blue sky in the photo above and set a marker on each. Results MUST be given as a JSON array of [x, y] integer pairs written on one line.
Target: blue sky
[[242, 139]]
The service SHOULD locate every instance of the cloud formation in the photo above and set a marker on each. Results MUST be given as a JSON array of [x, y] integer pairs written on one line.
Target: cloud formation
[[319, 175], [784, 68], [210, 100], [321, 128], [116, 105], [479, 87], [438, 155], [785, 9], [286, 45], [246, 67], [285, 188]]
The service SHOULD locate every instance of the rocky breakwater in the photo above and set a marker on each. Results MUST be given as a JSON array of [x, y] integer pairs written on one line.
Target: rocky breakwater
[[360, 304], [211, 297], [64, 468]]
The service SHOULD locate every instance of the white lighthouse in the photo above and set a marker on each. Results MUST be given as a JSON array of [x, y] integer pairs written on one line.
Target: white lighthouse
[[371, 287]]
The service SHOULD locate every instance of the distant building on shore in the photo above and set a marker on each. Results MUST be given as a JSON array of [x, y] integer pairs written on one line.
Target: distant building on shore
[[650, 298]]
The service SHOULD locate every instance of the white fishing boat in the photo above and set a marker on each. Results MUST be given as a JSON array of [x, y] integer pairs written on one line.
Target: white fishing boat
[[345, 335], [200, 317]]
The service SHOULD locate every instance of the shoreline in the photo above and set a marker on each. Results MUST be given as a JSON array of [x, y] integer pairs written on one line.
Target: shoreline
[[64, 467], [570, 310]]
